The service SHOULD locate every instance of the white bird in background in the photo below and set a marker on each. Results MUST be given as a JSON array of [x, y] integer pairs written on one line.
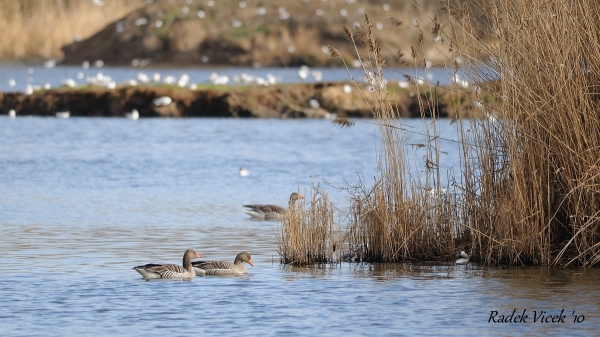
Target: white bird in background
[[134, 114], [215, 78], [170, 79], [162, 101], [69, 82], [317, 75], [12, 113], [462, 257], [244, 172], [63, 114], [303, 72]]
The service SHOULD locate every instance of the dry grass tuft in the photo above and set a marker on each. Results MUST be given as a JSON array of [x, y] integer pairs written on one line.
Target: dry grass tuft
[[309, 236]]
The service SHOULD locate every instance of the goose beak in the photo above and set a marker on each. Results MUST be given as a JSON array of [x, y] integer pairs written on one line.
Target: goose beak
[[300, 196], [250, 262], [198, 255]]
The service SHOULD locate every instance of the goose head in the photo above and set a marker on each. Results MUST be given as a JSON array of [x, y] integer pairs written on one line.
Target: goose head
[[243, 257], [188, 256], [295, 196]]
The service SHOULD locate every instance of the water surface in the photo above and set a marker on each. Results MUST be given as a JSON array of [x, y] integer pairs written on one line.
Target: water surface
[[86, 199]]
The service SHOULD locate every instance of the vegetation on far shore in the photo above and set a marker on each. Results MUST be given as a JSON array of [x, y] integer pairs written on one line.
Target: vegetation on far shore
[[38, 29], [198, 32]]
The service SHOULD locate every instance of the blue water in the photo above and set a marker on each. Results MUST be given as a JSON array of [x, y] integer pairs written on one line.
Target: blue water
[[86, 199]]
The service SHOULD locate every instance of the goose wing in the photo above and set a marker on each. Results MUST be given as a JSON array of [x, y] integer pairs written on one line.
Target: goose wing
[[152, 270], [210, 265]]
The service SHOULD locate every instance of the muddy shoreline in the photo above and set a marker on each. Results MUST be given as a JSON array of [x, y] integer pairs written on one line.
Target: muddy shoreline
[[316, 100]]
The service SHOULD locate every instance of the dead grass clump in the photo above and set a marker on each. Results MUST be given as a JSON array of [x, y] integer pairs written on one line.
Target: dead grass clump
[[309, 235], [39, 28]]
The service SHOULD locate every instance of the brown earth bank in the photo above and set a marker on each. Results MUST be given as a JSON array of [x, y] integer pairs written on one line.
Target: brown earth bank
[[253, 33], [320, 100]]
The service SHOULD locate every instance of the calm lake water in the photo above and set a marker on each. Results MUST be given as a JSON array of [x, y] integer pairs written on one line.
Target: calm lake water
[[86, 199]]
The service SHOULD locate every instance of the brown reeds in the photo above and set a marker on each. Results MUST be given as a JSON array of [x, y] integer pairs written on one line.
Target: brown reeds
[[528, 190], [537, 197], [400, 218], [309, 235], [39, 28]]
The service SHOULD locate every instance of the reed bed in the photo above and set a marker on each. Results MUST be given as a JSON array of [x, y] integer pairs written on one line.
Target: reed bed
[[405, 216], [309, 233], [39, 28], [528, 189], [538, 194]]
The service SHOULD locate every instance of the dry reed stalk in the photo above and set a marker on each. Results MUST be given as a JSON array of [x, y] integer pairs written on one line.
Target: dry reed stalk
[[396, 220], [39, 28], [309, 236]]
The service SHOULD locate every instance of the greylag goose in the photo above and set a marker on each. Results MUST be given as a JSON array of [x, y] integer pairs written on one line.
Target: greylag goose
[[170, 271], [238, 267], [462, 257], [271, 212]]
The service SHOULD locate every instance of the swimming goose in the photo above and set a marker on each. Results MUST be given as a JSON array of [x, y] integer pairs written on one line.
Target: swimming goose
[[170, 271], [462, 257], [238, 267], [271, 212]]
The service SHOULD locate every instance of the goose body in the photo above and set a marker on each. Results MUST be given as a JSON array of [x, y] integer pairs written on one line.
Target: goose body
[[238, 267], [462, 258], [170, 271], [271, 212]]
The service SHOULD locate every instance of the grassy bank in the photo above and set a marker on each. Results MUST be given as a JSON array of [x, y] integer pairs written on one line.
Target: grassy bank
[[39, 28], [527, 191], [302, 100], [198, 33]]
